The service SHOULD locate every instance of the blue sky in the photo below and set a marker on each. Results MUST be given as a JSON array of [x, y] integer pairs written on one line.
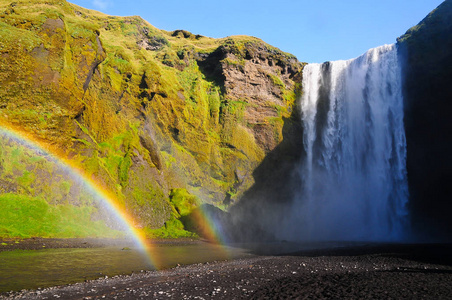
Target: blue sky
[[312, 30]]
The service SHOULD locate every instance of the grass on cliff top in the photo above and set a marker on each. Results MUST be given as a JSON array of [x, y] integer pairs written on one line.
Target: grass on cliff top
[[176, 41], [438, 20], [25, 217]]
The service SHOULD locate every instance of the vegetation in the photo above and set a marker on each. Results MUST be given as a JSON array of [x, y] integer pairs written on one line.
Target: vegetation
[[144, 112], [26, 217], [182, 203]]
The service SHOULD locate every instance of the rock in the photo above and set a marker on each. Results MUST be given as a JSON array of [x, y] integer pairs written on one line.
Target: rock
[[141, 123], [426, 50]]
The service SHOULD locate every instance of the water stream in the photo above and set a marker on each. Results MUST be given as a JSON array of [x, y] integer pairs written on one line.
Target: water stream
[[32, 269]]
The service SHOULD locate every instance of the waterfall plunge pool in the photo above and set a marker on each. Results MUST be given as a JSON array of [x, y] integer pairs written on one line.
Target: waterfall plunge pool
[[32, 269]]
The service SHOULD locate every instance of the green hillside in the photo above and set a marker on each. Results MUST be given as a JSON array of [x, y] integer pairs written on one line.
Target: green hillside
[[142, 111]]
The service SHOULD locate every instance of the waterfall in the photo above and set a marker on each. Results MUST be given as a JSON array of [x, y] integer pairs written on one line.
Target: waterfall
[[354, 176]]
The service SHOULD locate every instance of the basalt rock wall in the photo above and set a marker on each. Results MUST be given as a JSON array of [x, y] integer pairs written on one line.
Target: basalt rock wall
[[427, 60]]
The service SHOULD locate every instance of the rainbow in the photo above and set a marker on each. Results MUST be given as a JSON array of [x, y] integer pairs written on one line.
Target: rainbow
[[107, 198], [207, 227]]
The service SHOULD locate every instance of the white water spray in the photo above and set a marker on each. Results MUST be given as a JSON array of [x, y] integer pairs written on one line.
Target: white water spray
[[355, 185]]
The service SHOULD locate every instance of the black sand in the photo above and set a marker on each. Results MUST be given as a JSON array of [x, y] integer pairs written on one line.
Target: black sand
[[362, 272]]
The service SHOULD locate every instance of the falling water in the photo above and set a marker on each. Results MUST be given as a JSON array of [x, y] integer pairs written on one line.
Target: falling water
[[355, 185]]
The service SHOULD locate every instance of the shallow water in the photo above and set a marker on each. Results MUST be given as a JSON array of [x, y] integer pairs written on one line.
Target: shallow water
[[32, 269]]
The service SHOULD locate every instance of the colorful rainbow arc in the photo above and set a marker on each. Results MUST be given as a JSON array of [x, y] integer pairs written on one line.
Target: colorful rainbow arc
[[109, 199]]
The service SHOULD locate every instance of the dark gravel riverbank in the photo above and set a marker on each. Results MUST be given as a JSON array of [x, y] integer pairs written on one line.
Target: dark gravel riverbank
[[366, 272]]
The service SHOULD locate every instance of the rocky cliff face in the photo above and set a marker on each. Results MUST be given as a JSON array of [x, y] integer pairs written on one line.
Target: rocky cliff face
[[160, 117], [426, 51], [143, 111]]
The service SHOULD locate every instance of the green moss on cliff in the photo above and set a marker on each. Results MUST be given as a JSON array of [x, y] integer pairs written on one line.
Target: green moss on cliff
[[182, 204], [26, 217], [142, 111]]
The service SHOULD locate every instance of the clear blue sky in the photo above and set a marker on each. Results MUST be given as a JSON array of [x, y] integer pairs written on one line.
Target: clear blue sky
[[312, 30]]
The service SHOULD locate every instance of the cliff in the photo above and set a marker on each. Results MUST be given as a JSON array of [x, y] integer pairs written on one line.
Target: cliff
[[168, 121], [427, 57], [149, 114]]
